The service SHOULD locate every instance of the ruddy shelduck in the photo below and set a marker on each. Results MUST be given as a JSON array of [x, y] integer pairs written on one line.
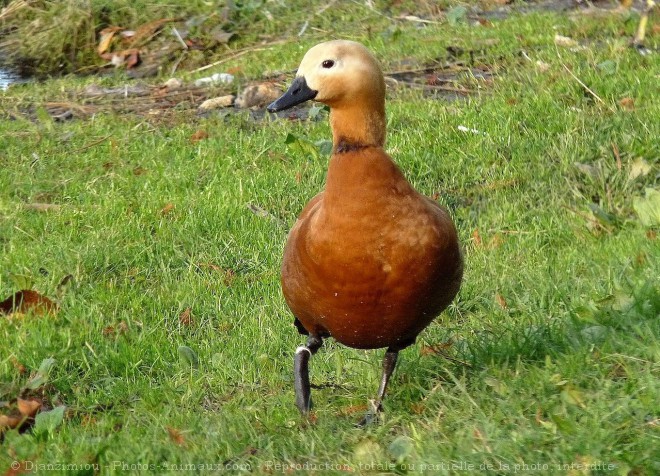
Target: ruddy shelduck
[[370, 261]]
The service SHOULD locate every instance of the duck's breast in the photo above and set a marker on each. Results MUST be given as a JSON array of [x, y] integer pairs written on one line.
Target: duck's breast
[[371, 263]]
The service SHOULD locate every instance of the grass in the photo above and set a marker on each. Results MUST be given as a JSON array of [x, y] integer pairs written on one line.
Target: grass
[[553, 336]]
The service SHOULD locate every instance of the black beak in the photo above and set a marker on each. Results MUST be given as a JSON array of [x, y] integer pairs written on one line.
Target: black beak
[[297, 93]]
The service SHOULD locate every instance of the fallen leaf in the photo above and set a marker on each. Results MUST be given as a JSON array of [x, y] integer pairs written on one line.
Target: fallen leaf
[[401, 448], [352, 410], [41, 376], [572, 397], [19, 467], [627, 103], [456, 14], [542, 66], [221, 36], [257, 95], [49, 421], [28, 408], [188, 357], [565, 41], [26, 301], [418, 408], [217, 103], [10, 421], [139, 170], [648, 207], [17, 365], [639, 168], [651, 234], [185, 318], [476, 237], [176, 436], [501, 301], [109, 331], [106, 38], [608, 67], [167, 208], [435, 349], [199, 135], [147, 30]]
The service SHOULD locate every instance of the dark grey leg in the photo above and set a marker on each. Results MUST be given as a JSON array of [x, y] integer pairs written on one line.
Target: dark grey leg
[[301, 373], [389, 363]]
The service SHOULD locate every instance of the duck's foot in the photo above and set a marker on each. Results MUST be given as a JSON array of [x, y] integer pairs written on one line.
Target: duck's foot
[[373, 415], [376, 406]]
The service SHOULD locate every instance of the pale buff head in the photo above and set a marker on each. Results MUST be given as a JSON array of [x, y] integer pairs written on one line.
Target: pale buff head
[[337, 73]]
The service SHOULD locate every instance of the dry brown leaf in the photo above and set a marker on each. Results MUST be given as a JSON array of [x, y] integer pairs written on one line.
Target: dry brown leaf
[[651, 234], [109, 331], [18, 467], [88, 420], [18, 365], [28, 408], [565, 41], [167, 208], [199, 135], [627, 103], [139, 170], [435, 349], [476, 237], [352, 409], [26, 301], [185, 318], [418, 408], [132, 58], [501, 301], [145, 31], [106, 38], [176, 436], [211, 266], [10, 421]]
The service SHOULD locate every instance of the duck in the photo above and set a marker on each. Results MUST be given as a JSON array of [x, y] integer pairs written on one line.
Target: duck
[[370, 261]]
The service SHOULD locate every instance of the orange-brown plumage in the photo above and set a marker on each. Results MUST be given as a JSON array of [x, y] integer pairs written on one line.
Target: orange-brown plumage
[[370, 261]]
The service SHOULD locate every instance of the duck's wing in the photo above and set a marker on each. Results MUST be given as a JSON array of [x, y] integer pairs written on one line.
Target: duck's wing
[[310, 206]]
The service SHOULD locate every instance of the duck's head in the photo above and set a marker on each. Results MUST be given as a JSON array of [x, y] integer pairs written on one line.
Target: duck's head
[[336, 73]]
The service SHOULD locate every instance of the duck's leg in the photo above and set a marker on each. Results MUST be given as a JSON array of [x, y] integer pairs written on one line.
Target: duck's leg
[[389, 363], [638, 42], [301, 373]]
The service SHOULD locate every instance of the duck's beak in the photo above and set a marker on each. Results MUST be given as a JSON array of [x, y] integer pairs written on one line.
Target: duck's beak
[[297, 93]]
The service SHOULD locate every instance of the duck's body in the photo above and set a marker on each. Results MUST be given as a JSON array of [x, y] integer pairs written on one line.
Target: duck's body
[[370, 261]]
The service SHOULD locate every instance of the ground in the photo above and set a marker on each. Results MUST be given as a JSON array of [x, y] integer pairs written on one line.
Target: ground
[[150, 234]]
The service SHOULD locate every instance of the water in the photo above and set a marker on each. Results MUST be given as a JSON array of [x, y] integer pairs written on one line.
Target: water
[[6, 78]]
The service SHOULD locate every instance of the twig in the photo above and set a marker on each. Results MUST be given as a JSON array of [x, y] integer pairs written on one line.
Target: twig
[[587, 88], [178, 37], [304, 28], [240, 53], [92, 144]]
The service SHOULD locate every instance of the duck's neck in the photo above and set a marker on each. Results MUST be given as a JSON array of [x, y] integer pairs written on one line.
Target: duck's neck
[[357, 125]]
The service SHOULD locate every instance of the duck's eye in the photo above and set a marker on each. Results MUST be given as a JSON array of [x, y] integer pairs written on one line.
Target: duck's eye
[[328, 64]]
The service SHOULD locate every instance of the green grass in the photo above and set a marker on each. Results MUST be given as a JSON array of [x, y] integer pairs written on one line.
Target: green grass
[[554, 332]]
